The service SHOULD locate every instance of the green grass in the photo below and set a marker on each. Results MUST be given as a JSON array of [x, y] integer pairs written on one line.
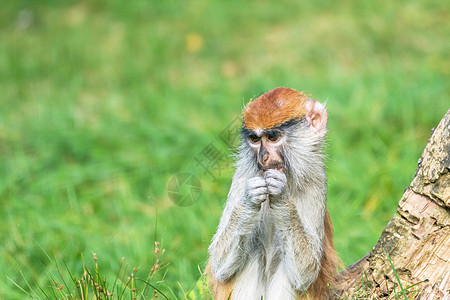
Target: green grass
[[103, 102]]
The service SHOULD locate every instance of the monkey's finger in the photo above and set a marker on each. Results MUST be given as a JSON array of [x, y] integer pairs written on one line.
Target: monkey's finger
[[256, 182], [259, 199], [275, 174], [275, 190], [275, 186], [278, 177], [275, 182], [258, 191], [272, 172]]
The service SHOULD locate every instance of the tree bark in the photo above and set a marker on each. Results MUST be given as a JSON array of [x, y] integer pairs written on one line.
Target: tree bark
[[417, 239]]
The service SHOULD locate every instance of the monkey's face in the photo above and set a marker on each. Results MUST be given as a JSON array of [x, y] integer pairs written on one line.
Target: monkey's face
[[274, 125], [267, 146]]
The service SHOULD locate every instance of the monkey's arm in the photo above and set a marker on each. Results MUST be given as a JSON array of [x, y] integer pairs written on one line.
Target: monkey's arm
[[301, 252], [230, 245], [299, 235]]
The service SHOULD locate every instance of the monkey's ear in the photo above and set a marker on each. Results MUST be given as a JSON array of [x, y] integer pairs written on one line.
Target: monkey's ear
[[316, 116]]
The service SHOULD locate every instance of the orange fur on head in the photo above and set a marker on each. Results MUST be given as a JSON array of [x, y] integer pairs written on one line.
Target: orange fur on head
[[274, 108]]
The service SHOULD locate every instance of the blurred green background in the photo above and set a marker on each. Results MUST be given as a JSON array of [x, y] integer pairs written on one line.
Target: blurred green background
[[103, 102]]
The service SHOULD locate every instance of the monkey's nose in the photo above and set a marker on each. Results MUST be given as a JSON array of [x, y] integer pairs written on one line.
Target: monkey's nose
[[263, 161]]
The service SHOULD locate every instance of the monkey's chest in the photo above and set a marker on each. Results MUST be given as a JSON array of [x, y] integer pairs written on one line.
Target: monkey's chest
[[266, 251], [263, 274]]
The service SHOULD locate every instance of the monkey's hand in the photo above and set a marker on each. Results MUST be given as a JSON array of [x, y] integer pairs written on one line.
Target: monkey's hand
[[276, 181], [256, 191]]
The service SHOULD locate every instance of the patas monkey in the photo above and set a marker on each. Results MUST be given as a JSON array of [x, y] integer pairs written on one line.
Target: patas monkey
[[275, 237]]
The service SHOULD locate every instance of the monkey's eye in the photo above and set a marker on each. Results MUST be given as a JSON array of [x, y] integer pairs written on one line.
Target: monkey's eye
[[254, 138], [274, 136]]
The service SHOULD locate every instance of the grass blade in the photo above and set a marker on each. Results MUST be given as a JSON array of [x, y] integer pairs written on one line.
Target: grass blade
[[153, 287], [396, 275]]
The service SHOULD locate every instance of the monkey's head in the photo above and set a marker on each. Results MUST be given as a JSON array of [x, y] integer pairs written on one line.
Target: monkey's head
[[276, 120]]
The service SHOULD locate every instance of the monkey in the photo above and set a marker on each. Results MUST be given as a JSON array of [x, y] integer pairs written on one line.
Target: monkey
[[275, 236]]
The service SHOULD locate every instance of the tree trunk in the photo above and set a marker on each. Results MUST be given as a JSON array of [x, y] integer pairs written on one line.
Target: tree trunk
[[417, 239]]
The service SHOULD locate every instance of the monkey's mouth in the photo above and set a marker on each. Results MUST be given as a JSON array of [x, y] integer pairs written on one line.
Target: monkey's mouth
[[276, 165]]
